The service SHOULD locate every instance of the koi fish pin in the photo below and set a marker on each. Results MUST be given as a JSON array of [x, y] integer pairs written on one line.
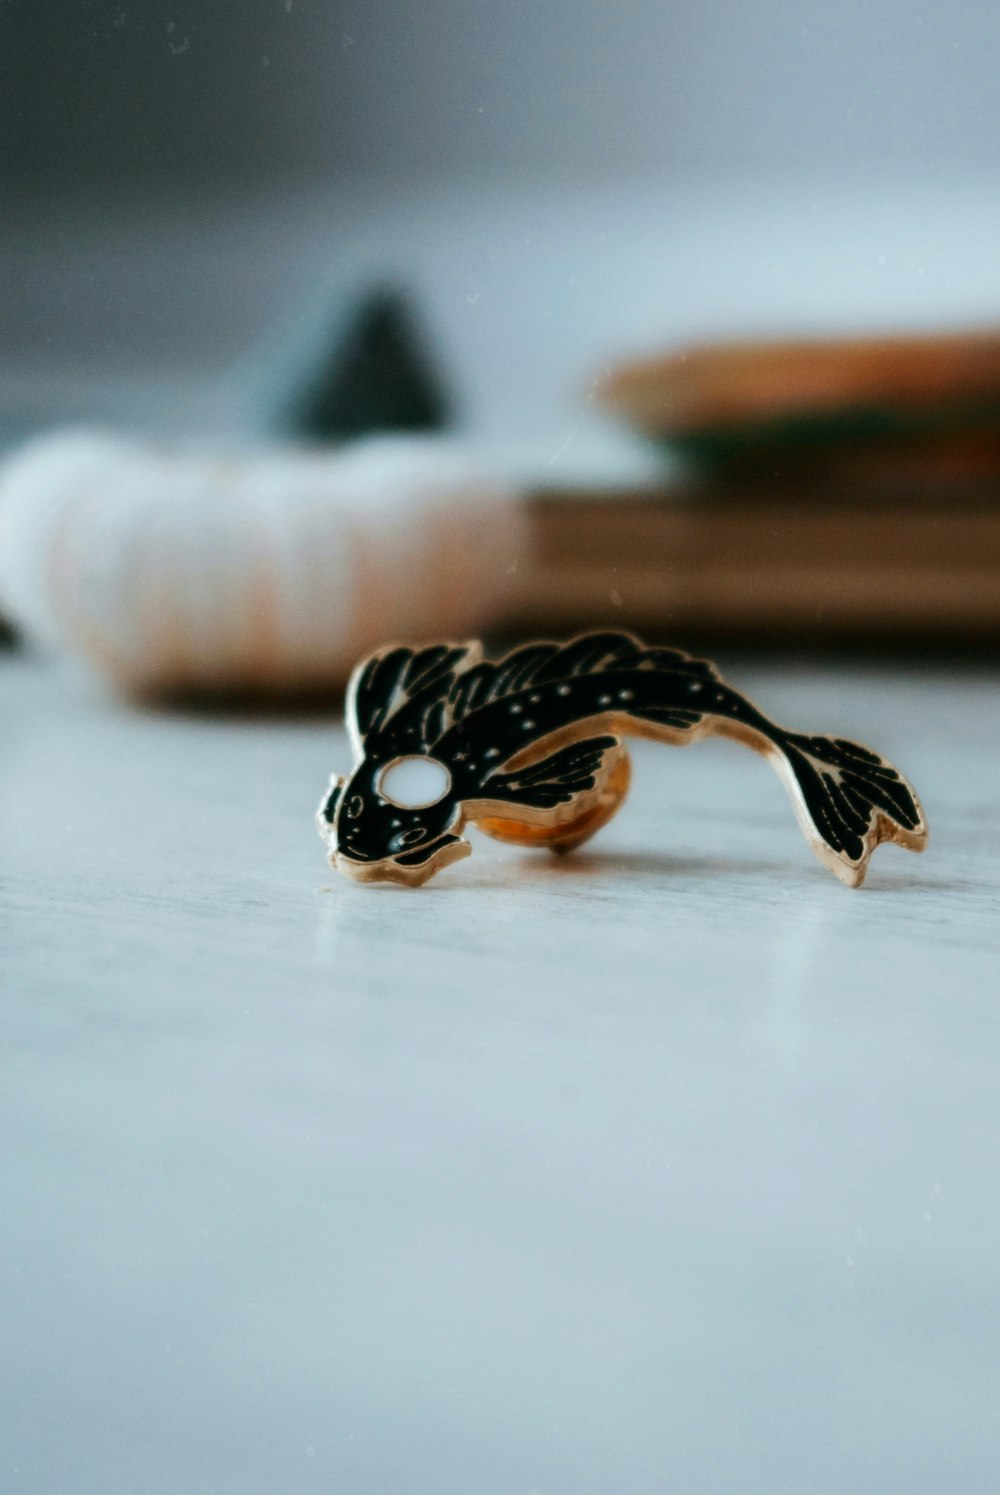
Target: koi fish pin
[[528, 747]]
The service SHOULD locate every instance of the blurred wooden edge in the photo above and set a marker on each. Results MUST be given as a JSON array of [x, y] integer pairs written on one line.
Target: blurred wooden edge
[[710, 385], [763, 570]]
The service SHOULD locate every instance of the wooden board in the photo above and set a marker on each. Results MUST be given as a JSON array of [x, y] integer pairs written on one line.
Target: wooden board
[[766, 567]]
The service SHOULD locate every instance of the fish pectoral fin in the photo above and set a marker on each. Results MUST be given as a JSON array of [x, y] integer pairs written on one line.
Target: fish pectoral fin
[[554, 780], [448, 847]]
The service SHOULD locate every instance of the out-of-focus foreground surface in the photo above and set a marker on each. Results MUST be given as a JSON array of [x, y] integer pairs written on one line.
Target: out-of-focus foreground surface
[[670, 1165]]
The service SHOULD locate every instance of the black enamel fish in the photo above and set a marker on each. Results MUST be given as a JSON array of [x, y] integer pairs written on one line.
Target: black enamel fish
[[529, 748]]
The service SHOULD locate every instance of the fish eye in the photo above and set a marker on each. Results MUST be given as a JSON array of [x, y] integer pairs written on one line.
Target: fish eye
[[414, 782]]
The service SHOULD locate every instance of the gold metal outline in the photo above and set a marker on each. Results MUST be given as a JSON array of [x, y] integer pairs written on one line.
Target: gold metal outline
[[571, 824]]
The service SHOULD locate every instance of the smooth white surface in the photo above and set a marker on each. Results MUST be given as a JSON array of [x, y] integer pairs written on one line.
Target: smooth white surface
[[668, 1167]]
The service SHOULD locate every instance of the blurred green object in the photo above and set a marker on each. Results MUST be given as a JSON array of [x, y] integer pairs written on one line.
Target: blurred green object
[[369, 376]]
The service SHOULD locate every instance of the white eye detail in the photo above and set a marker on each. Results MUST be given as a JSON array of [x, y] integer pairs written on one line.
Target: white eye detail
[[414, 782]]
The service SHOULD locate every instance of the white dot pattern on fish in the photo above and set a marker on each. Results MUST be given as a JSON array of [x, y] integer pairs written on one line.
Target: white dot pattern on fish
[[604, 700], [516, 710]]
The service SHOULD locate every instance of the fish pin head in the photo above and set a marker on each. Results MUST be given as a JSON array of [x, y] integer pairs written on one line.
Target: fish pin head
[[395, 821]]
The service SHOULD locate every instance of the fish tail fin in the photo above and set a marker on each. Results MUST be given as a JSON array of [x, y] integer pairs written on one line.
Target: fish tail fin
[[849, 800]]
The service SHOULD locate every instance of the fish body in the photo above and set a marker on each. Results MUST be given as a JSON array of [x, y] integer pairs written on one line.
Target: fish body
[[531, 748]]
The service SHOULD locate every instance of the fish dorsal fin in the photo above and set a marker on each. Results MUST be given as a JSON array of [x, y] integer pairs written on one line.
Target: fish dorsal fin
[[387, 681], [546, 663]]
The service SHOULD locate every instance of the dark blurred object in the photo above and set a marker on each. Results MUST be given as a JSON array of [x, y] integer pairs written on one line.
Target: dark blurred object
[[909, 410], [371, 377], [123, 101]]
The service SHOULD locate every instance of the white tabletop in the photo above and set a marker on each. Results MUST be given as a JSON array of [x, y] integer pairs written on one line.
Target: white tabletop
[[668, 1167]]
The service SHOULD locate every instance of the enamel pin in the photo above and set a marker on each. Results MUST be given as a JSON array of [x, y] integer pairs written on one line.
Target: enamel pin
[[528, 748]]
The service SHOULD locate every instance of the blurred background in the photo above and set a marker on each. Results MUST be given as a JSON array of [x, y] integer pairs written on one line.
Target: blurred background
[[236, 223]]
